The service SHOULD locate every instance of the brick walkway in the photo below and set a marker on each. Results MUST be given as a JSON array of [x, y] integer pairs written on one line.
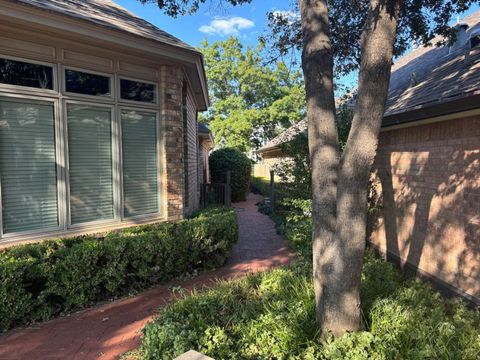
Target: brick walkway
[[111, 329]]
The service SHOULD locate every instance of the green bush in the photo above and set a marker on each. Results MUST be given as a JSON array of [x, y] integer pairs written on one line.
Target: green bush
[[272, 316], [38, 281], [240, 166]]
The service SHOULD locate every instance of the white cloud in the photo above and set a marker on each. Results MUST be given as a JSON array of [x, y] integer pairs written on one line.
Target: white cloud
[[228, 26]]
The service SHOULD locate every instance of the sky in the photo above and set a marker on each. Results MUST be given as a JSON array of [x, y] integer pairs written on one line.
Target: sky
[[214, 22]]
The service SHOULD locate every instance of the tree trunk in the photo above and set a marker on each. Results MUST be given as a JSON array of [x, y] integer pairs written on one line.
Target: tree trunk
[[317, 63], [340, 210]]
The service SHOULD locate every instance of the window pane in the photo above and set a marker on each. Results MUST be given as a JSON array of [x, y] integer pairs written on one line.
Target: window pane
[[140, 169], [25, 74], [28, 166], [90, 163], [137, 91], [85, 83]]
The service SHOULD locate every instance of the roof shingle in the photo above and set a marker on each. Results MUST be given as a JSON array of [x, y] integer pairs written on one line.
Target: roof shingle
[[108, 14]]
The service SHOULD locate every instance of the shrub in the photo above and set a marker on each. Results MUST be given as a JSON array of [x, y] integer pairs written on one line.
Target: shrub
[[38, 281], [272, 315], [228, 159]]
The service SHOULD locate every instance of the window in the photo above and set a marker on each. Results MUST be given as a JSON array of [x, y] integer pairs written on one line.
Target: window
[[90, 163], [28, 165], [84, 83], [20, 73], [138, 91], [140, 167]]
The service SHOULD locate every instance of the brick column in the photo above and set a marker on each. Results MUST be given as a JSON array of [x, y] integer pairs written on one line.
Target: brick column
[[172, 129]]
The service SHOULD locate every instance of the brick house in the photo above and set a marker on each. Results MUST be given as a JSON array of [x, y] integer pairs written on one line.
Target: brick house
[[428, 163], [98, 120]]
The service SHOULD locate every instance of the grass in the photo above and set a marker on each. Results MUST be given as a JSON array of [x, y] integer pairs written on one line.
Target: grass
[[271, 315]]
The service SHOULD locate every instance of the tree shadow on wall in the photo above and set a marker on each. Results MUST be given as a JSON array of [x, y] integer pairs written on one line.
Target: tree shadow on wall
[[430, 204]]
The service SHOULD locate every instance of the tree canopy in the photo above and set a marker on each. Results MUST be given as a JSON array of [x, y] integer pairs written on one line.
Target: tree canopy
[[251, 102]]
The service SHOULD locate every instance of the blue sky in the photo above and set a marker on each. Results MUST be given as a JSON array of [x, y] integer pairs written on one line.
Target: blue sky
[[215, 23], [247, 21]]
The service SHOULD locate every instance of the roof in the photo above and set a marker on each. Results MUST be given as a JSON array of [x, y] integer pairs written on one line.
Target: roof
[[427, 77], [286, 136], [430, 76], [203, 129], [108, 14]]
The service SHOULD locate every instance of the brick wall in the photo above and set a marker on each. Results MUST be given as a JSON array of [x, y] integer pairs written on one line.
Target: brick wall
[[171, 79], [429, 185]]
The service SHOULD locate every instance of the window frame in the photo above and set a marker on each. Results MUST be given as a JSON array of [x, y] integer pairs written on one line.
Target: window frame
[[159, 143], [115, 160], [58, 168], [16, 89], [134, 102], [93, 98]]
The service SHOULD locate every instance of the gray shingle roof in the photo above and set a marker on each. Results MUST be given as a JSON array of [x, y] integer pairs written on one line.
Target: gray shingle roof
[[430, 75], [286, 136], [438, 78], [108, 14]]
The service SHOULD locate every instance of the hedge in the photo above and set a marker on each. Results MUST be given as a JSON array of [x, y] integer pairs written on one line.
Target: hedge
[[38, 281], [227, 159]]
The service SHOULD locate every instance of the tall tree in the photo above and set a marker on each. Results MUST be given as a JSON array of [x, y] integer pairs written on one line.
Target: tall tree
[[342, 35], [251, 102]]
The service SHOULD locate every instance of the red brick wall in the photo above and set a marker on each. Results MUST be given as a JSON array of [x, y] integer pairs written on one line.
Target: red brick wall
[[429, 185]]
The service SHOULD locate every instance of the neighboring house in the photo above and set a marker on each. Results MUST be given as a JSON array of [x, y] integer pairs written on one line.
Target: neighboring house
[[428, 163], [98, 120], [272, 152], [206, 144]]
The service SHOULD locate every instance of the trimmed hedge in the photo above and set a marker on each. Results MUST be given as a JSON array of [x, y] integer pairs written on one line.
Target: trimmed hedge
[[38, 281], [228, 159]]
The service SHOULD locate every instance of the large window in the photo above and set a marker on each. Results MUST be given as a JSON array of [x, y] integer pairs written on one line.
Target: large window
[[90, 163], [140, 170], [27, 165], [13, 72], [77, 150]]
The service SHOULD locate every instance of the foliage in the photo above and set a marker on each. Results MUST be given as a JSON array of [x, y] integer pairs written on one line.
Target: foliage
[[250, 101], [420, 22], [240, 166], [295, 171], [38, 281], [272, 315]]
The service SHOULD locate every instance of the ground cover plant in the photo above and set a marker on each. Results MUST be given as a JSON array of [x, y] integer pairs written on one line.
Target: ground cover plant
[[38, 281], [272, 315]]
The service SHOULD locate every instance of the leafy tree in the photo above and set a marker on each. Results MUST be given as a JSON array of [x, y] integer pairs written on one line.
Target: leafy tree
[[343, 35], [295, 170], [251, 102]]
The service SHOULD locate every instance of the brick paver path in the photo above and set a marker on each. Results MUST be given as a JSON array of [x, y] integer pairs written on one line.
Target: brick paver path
[[111, 329]]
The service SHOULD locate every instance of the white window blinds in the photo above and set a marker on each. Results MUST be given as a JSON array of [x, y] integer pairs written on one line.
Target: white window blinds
[[90, 163], [28, 165], [140, 169]]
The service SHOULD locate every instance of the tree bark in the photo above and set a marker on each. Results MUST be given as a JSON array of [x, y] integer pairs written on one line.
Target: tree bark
[[317, 63], [340, 210]]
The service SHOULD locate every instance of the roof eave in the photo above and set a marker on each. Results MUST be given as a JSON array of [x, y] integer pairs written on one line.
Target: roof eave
[[454, 105], [22, 13]]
